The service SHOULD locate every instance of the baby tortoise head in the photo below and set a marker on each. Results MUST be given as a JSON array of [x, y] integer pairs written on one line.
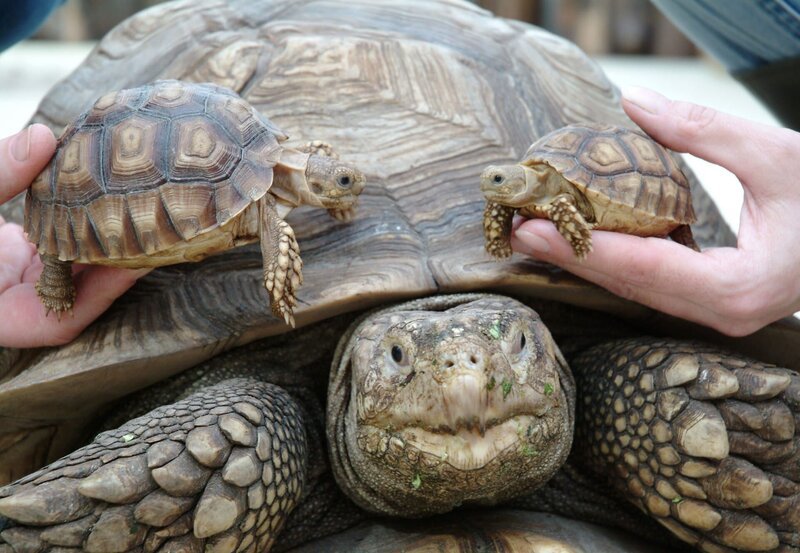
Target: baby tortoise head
[[336, 184], [464, 406], [537, 190], [521, 186]]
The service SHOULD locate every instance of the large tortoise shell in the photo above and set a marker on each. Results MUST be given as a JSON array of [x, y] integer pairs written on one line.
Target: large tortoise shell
[[618, 163], [148, 167]]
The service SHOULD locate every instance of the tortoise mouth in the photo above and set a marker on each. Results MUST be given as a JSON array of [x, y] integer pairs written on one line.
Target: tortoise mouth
[[468, 446]]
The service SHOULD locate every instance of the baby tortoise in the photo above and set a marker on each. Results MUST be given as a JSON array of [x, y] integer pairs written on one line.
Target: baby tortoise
[[590, 176], [173, 172]]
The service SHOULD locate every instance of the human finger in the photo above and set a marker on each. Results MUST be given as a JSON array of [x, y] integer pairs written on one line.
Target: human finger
[[30, 326], [16, 254], [22, 157], [658, 273], [746, 148]]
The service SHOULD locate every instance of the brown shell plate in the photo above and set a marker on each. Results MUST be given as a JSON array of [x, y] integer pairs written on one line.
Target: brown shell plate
[[620, 163], [148, 167]]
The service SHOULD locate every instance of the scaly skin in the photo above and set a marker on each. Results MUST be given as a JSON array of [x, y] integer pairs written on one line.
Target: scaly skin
[[701, 441], [428, 411]]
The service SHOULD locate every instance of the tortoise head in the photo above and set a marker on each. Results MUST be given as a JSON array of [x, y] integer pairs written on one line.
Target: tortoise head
[[517, 185], [336, 185], [429, 410]]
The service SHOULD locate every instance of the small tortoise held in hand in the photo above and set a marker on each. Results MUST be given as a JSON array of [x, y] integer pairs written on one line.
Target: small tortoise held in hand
[[590, 176], [174, 172]]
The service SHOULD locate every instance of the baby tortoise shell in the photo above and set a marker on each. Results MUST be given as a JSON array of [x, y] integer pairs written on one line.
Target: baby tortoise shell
[[590, 176], [173, 172]]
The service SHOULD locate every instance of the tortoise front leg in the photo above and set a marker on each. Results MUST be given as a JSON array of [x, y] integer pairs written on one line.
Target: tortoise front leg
[[319, 148], [497, 222], [220, 470], [570, 223], [55, 287], [283, 268], [702, 441]]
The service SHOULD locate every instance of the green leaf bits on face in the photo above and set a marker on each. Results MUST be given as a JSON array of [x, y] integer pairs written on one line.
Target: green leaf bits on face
[[677, 499], [494, 330], [548, 389], [506, 385], [491, 384], [416, 482], [128, 437], [529, 451]]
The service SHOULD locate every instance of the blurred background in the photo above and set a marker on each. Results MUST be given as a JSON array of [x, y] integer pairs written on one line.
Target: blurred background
[[630, 39], [600, 27]]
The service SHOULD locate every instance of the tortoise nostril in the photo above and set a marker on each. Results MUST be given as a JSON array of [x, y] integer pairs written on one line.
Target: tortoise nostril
[[473, 359], [448, 364]]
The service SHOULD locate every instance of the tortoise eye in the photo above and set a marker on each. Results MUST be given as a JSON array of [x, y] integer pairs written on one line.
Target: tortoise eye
[[397, 354], [498, 179], [344, 181], [519, 344]]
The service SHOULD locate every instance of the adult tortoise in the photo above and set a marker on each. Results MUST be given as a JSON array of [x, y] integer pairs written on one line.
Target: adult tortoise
[[435, 404], [172, 172], [590, 176], [491, 88]]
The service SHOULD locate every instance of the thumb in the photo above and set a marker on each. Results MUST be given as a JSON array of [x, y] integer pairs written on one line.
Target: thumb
[[22, 157], [746, 148]]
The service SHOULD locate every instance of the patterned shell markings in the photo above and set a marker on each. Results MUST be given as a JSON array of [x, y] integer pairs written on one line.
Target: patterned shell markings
[[623, 165], [146, 168]]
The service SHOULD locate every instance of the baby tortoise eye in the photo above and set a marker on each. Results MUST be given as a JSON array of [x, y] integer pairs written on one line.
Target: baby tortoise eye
[[519, 344], [397, 354], [344, 181], [498, 178]]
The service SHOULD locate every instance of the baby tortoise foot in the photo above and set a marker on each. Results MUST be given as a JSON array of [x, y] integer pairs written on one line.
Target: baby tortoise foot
[[702, 441], [55, 287], [283, 267], [497, 221], [221, 468], [319, 148], [571, 224]]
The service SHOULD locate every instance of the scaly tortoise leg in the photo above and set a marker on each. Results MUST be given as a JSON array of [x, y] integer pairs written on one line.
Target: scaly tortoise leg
[[283, 267], [497, 222], [55, 287], [702, 441], [221, 469], [319, 148], [571, 224]]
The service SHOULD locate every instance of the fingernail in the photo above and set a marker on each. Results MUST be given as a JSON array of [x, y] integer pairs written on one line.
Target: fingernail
[[646, 99], [21, 145], [534, 242]]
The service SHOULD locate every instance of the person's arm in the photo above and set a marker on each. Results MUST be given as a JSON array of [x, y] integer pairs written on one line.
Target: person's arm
[[22, 317], [734, 290]]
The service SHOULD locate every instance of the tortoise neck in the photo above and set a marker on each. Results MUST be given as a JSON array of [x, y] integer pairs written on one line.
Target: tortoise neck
[[290, 186], [545, 184]]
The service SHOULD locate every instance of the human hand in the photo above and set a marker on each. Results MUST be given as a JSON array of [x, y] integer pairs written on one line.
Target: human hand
[[734, 290], [23, 322]]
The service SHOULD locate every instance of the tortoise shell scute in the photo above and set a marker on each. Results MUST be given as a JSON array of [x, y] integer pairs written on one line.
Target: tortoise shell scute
[[619, 164]]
